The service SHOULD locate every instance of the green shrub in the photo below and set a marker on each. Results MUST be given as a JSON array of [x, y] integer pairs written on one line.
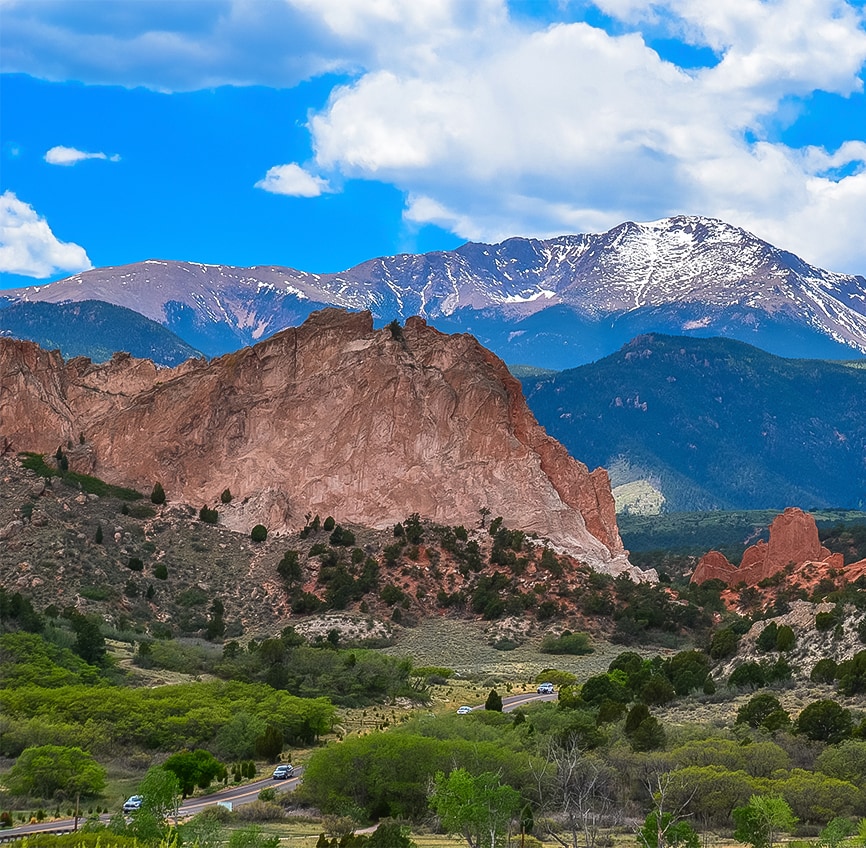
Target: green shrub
[[724, 644], [208, 515], [391, 595], [226, 496], [824, 671], [556, 677], [433, 670], [576, 644], [785, 638], [825, 721], [767, 639], [341, 536], [157, 496], [757, 709], [493, 702], [658, 690], [259, 533], [748, 675], [289, 567], [160, 571], [825, 621]]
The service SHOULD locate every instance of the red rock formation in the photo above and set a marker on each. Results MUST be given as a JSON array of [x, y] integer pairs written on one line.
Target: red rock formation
[[793, 541], [714, 566], [331, 417]]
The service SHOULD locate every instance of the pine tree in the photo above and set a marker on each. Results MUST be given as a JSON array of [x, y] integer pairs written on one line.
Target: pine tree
[[494, 701]]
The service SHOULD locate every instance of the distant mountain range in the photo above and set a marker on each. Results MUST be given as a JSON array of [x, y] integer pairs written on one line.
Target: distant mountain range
[[93, 329], [553, 303], [713, 423]]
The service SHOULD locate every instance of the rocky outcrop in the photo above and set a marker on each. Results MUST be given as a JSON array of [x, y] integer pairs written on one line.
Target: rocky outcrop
[[332, 417], [715, 566], [793, 543]]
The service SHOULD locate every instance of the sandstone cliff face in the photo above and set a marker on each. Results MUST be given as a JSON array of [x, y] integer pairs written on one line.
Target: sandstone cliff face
[[793, 541], [332, 417]]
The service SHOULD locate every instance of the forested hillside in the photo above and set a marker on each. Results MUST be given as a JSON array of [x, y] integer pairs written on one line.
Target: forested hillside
[[714, 423]]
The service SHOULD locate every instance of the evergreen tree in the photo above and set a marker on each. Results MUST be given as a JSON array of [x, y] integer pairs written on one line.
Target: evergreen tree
[[269, 745], [494, 701]]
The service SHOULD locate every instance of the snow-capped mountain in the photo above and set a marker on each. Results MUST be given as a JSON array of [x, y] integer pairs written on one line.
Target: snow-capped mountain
[[557, 302]]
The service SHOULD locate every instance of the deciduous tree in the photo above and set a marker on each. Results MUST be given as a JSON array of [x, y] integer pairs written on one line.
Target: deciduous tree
[[44, 770], [479, 808], [760, 822]]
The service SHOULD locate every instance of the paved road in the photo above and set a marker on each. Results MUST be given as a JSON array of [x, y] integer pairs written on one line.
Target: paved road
[[512, 702], [236, 795]]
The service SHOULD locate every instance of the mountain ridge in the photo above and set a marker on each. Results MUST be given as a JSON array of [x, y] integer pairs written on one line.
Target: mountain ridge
[[683, 274], [94, 329], [714, 423]]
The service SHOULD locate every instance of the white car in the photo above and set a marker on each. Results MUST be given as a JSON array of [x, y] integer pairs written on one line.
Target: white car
[[464, 710], [132, 803], [545, 689]]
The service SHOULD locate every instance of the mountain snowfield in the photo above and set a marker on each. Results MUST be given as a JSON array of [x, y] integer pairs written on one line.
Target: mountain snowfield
[[558, 302]]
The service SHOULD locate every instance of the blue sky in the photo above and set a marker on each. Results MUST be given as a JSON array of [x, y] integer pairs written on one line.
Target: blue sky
[[319, 133]]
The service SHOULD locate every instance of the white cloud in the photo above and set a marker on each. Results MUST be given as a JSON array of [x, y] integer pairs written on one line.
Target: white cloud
[[292, 180], [171, 46], [571, 128], [70, 156], [27, 245]]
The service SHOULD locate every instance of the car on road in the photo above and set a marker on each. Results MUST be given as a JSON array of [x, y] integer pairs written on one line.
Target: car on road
[[545, 689], [464, 710], [283, 772], [132, 803]]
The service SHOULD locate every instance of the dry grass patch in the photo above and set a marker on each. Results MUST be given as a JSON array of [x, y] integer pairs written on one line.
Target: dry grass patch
[[464, 646]]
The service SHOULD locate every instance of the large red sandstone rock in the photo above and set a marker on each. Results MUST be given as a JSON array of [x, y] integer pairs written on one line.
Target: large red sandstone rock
[[793, 541], [332, 417], [714, 566]]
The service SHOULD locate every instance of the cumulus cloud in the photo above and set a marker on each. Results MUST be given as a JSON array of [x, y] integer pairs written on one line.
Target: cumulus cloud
[[572, 128], [292, 180], [28, 247], [70, 156]]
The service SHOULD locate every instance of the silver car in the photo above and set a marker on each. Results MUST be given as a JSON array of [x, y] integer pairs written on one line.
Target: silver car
[[283, 772], [133, 803]]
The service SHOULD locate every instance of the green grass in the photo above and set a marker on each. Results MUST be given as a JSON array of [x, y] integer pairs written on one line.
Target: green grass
[[91, 485]]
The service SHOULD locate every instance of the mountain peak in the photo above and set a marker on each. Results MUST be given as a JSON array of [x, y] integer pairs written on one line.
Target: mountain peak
[[554, 302]]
